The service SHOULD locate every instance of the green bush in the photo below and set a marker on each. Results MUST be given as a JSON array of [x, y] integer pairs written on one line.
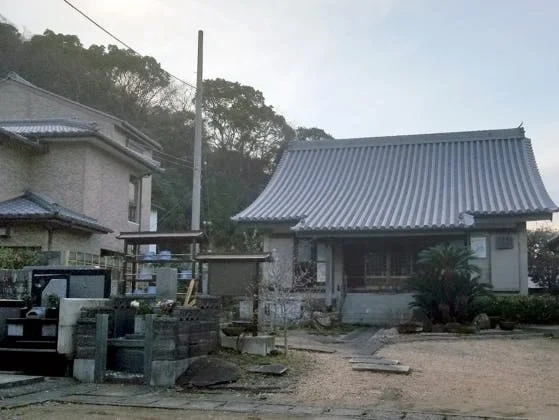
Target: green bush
[[16, 258], [447, 283], [542, 309]]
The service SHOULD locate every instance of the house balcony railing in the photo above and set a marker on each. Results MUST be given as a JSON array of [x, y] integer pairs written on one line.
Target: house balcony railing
[[77, 258]]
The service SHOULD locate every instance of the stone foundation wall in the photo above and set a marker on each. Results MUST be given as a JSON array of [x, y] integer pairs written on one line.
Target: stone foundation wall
[[170, 342]]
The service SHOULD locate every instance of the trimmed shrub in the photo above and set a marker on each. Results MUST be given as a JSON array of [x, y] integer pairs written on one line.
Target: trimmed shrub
[[542, 309]]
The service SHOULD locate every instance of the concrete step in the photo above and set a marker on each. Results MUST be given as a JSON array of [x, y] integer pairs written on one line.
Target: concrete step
[[381, 368], [10, 380], [373, 360]]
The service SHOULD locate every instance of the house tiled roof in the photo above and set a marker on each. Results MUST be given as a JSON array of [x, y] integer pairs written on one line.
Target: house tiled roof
[[124, 125], [37, 129], [36, 207], [45, 128], [432, 181]]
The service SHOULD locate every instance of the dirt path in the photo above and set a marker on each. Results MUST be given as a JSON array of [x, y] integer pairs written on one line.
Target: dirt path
[[498, 377]]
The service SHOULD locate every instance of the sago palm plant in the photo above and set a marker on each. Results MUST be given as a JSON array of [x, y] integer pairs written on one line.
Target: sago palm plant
[[447, 283]]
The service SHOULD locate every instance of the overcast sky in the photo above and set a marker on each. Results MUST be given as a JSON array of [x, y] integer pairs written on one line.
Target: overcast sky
[[354, 68]]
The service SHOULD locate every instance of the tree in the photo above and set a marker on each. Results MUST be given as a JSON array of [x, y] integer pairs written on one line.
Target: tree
[[244, 137], [446, 284], [311, 134], [543, 262]]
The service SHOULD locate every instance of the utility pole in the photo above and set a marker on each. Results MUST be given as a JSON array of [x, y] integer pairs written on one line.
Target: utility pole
[[197, 172]]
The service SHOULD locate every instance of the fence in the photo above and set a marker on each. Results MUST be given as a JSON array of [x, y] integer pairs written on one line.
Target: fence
[[76, 258]]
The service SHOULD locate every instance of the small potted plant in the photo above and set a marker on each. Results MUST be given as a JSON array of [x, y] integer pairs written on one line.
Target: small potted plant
[[53, 306], [509, 316]]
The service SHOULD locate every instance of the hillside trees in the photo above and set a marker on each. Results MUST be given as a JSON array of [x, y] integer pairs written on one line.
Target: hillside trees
[[243, 135]]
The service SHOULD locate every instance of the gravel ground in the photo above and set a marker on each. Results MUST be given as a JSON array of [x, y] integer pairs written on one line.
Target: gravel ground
[[498, 377]]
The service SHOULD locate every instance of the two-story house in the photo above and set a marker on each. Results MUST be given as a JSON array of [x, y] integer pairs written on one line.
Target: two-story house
[[71, 177]]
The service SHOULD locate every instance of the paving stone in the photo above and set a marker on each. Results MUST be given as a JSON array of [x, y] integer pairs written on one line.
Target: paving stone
[[383, 415], [273, 408], [10, 381], [268, 369], [204, 404], [306, 410], [92, 399], [311, 348], [374, 360], [168, 402], [239, 407], [424, 416], [119, 390], [144, 400], [381, 368], [346, 412]]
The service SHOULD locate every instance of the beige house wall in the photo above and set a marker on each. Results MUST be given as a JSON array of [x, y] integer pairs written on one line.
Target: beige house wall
[[59, 174], [19, 102], [14, 169], [74, 172], [36, 236]]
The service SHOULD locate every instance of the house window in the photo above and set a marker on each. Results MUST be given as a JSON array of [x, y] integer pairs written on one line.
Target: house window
[[305, 264], [134, 199], [378, 270]]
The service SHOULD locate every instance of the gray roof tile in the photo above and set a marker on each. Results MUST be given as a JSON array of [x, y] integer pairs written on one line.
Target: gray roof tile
[[55, 127], [33, 207], [432, 181]]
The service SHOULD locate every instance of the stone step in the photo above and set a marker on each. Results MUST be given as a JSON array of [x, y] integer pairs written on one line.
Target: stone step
[[374, 360], [371, 367]]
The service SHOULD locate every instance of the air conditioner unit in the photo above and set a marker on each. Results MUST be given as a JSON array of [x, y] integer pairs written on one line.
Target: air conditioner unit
[[4, 232]]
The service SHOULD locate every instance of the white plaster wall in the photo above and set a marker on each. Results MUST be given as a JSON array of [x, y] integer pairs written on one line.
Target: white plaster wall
[[281, 249], [375, 308]]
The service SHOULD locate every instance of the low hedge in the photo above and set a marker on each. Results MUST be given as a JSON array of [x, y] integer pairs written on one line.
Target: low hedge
[[542, 309]]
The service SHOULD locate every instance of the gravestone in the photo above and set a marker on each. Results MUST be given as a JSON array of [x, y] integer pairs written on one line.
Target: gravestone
[[166, 281]]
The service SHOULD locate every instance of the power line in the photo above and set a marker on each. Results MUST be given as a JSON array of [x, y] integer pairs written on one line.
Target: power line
[[122, 42], [185, 158]]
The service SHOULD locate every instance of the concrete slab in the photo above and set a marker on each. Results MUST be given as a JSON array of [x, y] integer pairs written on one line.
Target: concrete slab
[[310, 348], [381, 368], [10, 380], [268, 369], [424, 416], [306, 410], [204, 405], [168, 402], [120, 390], [374, 360], [346, 412], [383, 415], [94, 399], [274, 408], [239, 407], [261, 345]]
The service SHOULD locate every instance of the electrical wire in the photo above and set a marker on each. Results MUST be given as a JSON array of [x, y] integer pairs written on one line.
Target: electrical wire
[[122, 42]]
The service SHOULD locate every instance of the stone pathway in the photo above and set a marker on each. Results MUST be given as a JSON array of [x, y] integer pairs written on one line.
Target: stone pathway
[[146, 397]]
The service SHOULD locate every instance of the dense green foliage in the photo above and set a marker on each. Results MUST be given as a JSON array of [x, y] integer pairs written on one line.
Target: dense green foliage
[[16, 258], [536, 309], [543, 262], [243, 136], [446, 284]]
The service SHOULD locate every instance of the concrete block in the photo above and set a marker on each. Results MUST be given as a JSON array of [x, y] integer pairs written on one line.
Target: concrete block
[[84, 370], [260, 345], [68, 317]]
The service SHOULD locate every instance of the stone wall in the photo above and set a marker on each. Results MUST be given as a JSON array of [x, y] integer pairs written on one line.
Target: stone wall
[[170, 342]]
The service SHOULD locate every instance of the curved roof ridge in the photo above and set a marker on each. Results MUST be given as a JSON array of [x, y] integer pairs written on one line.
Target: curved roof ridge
[[458, 136]]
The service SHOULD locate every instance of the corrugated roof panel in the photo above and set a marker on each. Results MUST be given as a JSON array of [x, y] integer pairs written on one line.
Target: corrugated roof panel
[[403, 182]]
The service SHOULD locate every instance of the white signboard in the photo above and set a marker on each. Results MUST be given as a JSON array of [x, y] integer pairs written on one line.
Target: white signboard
[[478, 244]]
